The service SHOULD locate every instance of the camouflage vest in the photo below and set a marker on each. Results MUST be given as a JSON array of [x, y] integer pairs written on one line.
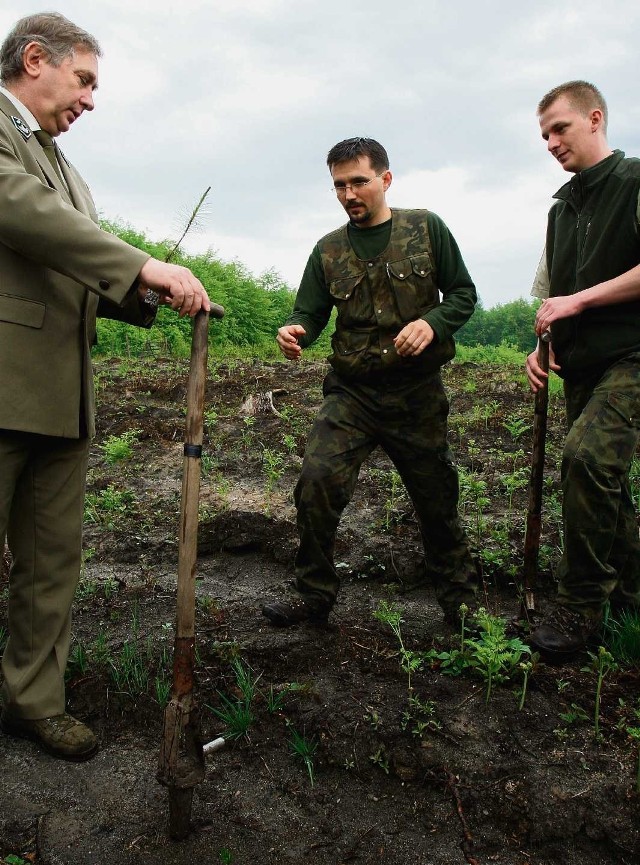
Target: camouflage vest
[[376, 298]]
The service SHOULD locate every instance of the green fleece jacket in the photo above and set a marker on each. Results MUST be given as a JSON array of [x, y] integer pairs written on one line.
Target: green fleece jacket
[[592, 236]]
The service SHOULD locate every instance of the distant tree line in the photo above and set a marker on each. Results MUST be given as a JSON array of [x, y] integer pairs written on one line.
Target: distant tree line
[[257, 306], [507, 323]]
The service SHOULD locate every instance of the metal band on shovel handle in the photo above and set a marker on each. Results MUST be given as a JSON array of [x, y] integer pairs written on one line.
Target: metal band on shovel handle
[[534, 511], [181, 762]]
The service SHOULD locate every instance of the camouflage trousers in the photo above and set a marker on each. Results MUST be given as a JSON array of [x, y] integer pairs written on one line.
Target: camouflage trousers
[[408, 419], [601, 558]]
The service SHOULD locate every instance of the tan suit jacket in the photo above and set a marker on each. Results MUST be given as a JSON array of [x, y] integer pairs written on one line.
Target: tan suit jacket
[[58, 270]]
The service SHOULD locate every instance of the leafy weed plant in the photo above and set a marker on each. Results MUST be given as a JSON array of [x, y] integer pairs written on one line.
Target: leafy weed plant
[[420, 718], [390, 614], [117, 449], [104, 507], [273, 466], [491, 654], [516, 426], [574, 713], [379, 758]]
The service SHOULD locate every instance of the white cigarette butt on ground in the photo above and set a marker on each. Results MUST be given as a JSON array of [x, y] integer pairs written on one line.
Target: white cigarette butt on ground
[[212, 746]]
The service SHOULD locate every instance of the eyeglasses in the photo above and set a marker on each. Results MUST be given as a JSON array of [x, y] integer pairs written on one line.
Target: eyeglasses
[[341, 189]]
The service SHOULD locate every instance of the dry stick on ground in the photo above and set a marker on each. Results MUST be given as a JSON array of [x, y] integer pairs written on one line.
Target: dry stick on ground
[[467, 843], [351, 852]]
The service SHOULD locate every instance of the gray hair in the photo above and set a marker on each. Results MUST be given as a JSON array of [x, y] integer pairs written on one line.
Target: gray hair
[[57, 36]]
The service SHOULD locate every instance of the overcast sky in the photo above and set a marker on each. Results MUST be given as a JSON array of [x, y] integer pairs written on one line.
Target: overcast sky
[[247, 96]]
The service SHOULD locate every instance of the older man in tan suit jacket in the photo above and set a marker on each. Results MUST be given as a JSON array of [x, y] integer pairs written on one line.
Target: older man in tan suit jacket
[[58, 270]]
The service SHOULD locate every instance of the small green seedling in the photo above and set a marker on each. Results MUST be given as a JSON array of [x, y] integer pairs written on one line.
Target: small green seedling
[[305, 749], [601, 664], [116, 449]]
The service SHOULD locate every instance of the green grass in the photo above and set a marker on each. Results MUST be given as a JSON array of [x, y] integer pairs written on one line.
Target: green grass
[[304, 748], [236, 715], [621, 636]]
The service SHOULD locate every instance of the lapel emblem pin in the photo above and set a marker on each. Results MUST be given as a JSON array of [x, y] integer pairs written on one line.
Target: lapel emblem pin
[[22, 127]]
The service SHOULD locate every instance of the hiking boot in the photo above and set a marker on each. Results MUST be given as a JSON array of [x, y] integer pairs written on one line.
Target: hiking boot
[[283, 614], [562, 633], [62, 735]]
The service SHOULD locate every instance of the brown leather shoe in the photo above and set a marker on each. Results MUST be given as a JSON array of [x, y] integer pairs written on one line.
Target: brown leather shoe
[[563, 633], [284, 614], [62, 735]]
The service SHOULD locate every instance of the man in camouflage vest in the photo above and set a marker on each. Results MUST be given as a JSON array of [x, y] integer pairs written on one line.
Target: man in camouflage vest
[[384, 272], [590, 281]]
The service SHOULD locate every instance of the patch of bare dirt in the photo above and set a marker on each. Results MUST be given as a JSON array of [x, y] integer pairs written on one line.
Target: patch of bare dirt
[[461, 780]]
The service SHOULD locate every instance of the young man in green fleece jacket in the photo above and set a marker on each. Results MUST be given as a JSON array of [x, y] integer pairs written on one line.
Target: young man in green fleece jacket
[[384, 272], [590, 278]]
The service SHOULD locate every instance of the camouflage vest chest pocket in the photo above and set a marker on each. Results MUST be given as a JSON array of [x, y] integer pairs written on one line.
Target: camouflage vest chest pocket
[[352, 299], [352, 353], [413, 286]]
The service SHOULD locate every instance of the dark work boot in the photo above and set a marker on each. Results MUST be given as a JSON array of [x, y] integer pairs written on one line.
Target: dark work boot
[[563, 633], [293, 611]]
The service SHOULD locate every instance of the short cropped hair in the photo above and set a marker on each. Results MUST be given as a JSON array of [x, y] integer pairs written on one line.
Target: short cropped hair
[[582, 95], [58, 37], [354, 148]]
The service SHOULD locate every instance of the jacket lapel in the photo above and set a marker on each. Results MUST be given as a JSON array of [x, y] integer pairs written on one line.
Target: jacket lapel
[[24, 134], [76, 193], [48, 169]]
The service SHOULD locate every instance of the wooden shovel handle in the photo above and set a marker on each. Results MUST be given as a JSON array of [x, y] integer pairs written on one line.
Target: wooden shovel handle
[[188, 534], [534, 510]]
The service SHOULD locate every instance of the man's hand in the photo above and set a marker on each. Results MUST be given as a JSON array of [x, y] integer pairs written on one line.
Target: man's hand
[[554, 308], [414, 338], [176, 285], [287, 339], [536, 375]]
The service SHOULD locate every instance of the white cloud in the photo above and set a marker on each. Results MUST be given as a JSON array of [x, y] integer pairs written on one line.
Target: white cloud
[[248, 95]]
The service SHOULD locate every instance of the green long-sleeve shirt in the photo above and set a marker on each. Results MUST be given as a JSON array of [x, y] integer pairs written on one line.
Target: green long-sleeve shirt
[[313, 302]]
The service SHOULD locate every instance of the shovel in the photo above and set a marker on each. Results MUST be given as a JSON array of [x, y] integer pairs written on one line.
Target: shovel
[[534, 511], [181, 763]]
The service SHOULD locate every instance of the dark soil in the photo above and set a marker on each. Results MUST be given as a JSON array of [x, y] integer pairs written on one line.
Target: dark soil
[[460, 781]]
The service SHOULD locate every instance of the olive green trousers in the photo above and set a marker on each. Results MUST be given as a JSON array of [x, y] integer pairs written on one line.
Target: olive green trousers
[[601, 557], [408, 419], [42, 485]]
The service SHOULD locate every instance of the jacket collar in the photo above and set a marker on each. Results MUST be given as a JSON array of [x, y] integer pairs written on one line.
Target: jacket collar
[[583, 181]]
